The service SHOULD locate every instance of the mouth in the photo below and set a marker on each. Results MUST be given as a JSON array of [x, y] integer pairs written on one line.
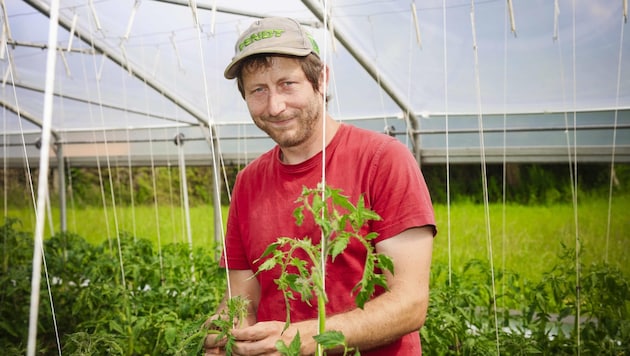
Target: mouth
[[279, 122]]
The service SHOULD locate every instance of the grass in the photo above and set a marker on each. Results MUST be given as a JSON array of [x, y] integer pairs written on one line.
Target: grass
[[528, 243], [532, 236]]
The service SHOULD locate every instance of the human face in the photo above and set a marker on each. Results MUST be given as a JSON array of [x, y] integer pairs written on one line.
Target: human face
[[283, 103]]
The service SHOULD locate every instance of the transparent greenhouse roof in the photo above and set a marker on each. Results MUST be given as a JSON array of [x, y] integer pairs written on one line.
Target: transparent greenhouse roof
[[131, 75]]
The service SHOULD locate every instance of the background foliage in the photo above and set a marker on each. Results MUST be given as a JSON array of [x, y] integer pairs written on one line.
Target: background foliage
[[160, 308], [157, 311], [532, 183]]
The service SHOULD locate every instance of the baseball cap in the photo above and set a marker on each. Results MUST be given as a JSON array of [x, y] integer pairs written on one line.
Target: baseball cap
[[273, 35]]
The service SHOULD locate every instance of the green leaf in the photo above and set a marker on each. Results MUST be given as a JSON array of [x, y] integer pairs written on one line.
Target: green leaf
[[298, 215], [269, 264], [338, 245], [271, 248], [330, 339], [293, 349], [385, 262]]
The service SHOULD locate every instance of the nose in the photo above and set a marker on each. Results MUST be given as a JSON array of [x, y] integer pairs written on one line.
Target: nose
[[276, 104]]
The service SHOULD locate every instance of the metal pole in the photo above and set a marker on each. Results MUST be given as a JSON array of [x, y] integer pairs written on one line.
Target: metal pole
[[216, 196], [371, 69]]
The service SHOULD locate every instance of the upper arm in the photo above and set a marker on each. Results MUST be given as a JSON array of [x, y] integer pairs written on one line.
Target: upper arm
[[411, 252], [244, 283]]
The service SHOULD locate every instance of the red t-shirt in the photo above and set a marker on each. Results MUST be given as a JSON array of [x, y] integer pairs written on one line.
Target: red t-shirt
[[359, 162]]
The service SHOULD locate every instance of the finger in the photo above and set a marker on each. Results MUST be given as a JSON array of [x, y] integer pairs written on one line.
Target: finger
[[214, 351], [213, 341]]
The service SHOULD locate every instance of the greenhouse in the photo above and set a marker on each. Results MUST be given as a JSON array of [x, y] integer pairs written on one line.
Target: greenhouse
[[121, 139]]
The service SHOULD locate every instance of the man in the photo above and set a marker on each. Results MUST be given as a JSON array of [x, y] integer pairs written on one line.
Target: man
[[283, 81]]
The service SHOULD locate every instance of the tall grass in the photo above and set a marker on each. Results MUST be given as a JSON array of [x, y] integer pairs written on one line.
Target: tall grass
[[529, 239], [527, 242]]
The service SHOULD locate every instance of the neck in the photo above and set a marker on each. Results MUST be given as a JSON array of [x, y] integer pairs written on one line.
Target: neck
[[299, 154]]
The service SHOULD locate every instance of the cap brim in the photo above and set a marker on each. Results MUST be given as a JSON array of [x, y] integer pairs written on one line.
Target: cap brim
[[232, 68]]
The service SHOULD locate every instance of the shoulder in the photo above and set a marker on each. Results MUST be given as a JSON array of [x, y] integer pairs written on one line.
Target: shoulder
[[258, 167], [376, 144]]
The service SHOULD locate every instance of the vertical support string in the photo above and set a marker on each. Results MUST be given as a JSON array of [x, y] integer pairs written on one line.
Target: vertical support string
[[213, 142], [321, 316], [447, 146], [484, 174], [510, 13], [184, 188], [156, 206], [578, 300], [614, 138], [129, 165]]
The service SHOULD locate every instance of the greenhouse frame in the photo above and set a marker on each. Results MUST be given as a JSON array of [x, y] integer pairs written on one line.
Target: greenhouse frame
[[115, 83]]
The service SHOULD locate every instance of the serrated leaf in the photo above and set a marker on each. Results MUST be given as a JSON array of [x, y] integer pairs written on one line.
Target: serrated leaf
[[330, 339], [271, 248], [293, 349], [338, 245], [385, 262], [269, 264], [298, 215]]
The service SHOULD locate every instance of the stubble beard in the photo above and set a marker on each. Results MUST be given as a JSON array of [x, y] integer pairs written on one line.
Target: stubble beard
[[294, 136]]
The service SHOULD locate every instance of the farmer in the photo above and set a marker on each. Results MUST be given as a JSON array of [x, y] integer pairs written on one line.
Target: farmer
[[283, 81]]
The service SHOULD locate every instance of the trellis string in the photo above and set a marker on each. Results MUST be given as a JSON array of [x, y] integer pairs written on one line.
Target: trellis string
[[614, 138], [447, 147], [484, 174]]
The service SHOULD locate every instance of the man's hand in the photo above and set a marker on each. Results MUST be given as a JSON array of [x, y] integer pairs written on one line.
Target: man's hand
[[214, 343], [261, 338]]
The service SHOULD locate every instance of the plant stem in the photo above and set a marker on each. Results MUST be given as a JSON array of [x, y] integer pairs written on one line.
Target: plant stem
[[321, 311]]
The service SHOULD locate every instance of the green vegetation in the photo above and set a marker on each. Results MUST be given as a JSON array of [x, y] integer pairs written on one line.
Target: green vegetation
[[533, 238], [528, 243], [160, 308], [334, 213], [157, 309]]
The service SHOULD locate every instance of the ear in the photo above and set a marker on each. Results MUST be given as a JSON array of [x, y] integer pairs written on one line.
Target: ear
[[323, 79]]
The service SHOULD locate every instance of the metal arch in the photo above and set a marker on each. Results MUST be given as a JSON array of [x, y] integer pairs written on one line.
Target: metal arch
[[371, 69], [365, 63], [26, 116], [117, 58]]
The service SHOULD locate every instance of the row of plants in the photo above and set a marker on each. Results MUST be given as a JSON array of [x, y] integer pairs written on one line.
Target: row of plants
[[530, 183], [161, 305], [157, 310]]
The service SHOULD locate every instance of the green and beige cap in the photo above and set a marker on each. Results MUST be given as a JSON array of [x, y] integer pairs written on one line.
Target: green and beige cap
[[272, 35]]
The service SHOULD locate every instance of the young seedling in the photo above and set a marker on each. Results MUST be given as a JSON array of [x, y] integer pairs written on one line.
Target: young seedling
[[339, 221], [232, 316]]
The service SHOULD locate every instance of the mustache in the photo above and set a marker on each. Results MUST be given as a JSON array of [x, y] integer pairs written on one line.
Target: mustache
[[277, 118]]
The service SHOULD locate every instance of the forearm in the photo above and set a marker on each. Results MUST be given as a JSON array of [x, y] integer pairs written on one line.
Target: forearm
[[400, 310], [383, 320]]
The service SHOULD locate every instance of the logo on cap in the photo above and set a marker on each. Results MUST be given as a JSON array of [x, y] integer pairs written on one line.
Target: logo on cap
[[259, 36]]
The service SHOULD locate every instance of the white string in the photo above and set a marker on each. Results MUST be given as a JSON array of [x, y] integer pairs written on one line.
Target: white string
[[155, 204], [446, 134], [111, 183], [510, 13], [323, 247], [5, 144], [186, 205], [378, 74], [129, 165], [575, 190], [42, 189], [484, 176], [211, 139], [100, 173], [614, 139]]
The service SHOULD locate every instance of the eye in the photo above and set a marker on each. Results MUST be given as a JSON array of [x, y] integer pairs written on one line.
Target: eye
[[257, 90]]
